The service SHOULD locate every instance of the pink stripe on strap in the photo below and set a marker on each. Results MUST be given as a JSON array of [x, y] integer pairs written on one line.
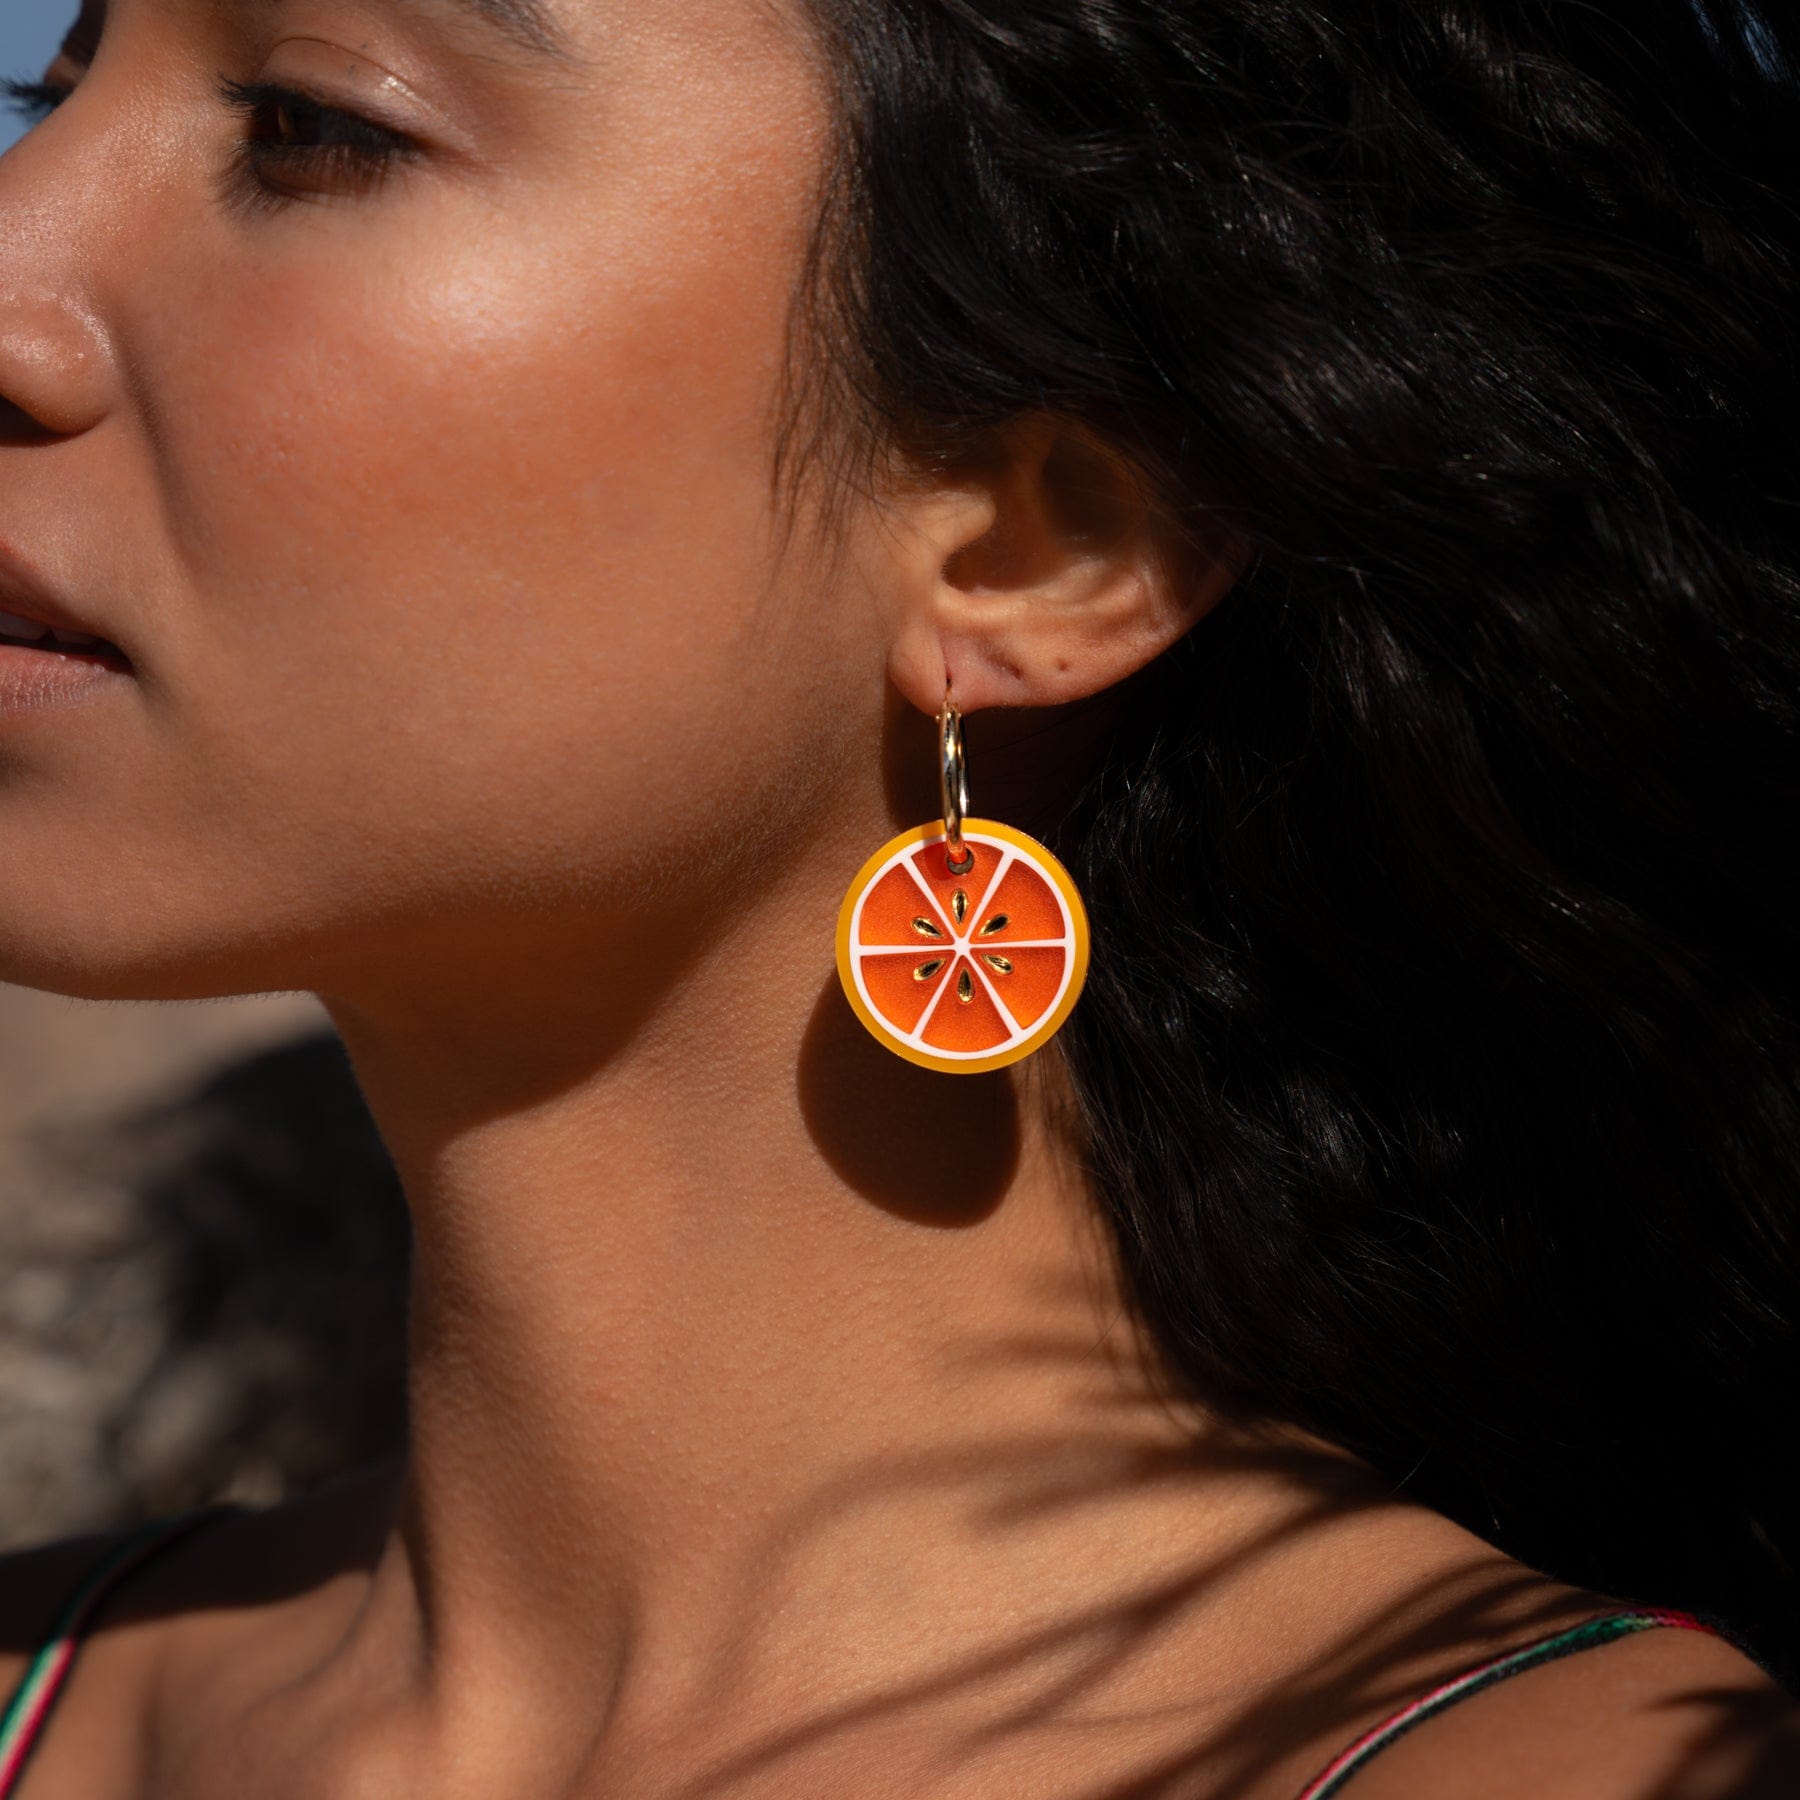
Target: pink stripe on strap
[[1331, 1780]]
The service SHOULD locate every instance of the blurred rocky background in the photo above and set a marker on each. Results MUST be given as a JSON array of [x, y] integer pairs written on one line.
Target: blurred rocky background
[[202, 1260]]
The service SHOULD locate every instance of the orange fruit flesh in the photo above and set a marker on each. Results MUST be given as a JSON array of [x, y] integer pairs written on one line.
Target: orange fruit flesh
[[999, 961], [932, 862], [896, 994]]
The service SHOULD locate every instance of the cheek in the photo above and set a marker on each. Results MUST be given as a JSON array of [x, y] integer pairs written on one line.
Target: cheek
[[505, 454], [473, 526], [443, 499]]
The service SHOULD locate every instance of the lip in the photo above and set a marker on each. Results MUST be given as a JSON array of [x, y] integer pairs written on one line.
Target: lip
[[42, 681], [24, 592]]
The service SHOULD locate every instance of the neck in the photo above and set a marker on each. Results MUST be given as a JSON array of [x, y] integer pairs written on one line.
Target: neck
[[742, 1359]]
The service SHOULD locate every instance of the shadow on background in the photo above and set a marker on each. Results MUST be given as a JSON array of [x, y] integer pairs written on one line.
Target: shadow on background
[[202, 1297]]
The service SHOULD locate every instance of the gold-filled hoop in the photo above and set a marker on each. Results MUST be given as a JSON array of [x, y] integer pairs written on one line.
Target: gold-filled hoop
[[953, 784]]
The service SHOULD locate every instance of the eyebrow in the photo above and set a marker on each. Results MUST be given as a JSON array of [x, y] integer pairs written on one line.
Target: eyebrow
[[526, 22]]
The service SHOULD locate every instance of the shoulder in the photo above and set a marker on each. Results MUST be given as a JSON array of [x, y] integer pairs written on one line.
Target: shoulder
[[1399, 1600], [1678, 1715], [231, 1559], [244, 1585], [36, 1584]]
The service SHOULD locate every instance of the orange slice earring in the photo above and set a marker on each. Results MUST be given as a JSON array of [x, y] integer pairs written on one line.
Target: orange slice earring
[[962, 946]]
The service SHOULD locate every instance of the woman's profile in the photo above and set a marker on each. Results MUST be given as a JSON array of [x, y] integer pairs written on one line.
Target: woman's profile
[[1042, 758]]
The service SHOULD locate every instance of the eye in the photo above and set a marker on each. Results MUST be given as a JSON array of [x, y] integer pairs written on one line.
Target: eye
[[297, 146]]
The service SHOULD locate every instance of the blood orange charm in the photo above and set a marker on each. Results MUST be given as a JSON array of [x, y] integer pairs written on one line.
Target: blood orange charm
[[962, 946], [963, 972]]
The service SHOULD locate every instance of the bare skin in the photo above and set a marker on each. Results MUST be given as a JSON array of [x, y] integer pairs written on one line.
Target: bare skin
[[778, 1425]]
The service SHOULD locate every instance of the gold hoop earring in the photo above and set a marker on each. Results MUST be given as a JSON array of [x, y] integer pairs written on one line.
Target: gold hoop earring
[[962, 944]]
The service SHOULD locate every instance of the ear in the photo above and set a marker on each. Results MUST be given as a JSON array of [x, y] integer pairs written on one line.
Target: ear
[[1040, 574]]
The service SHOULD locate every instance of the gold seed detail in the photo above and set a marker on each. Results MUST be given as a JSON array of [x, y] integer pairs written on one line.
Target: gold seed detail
[[998, 964], [998, 922], [925, 928], [965, 987], [925, 971], [959, 904]]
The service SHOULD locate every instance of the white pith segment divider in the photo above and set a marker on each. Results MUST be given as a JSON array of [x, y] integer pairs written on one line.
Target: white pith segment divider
[[961, 947]]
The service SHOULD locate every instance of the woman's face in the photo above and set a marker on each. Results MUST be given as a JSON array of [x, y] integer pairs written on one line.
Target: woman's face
[[425, 482]]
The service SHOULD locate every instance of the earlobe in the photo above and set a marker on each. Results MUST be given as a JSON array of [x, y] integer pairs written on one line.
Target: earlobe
[[1044, 574]]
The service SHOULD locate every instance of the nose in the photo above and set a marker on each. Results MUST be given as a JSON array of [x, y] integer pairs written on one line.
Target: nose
[[56, 364], [52, 373]]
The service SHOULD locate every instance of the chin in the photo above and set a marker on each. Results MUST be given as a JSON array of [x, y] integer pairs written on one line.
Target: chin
[[55, 963]]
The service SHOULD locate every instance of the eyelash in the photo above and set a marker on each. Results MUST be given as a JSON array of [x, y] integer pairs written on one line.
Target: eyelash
[[355, 156], [30, 99]]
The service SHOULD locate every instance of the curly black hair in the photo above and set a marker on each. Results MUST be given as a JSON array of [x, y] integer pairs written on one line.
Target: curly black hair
[[1440, 1059]]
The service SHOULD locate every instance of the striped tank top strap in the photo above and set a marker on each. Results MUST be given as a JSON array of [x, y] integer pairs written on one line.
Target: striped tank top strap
[[1593, 1632], [27, 1713]]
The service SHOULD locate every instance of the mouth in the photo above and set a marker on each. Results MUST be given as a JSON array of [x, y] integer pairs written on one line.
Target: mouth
[[20, 633]]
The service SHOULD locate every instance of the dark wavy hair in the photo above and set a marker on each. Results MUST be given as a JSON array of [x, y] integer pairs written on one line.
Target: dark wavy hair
[[1440, 1062]]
